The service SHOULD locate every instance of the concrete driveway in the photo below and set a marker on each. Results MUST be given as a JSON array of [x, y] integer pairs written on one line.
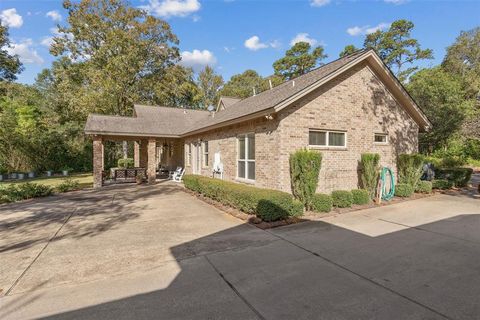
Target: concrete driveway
[[158, 253]]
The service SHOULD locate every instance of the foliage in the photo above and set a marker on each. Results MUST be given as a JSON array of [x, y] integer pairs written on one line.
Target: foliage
[[270, 205], [460, 177], [442, 184], [242, 85], [10, 64], [349, 49], [24, 191], [370, 172], [298, 60], [410, 168], [342, 198], [322, 202], [397, 48], [360, 196], [404, 190], [304, 170], [424, 187], [209, 84], [125, 163], [68, 184]]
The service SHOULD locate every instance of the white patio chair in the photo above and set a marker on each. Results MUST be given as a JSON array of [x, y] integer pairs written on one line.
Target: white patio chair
[[178, 175]]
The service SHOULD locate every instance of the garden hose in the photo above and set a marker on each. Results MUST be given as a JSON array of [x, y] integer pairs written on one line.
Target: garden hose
[[383, 175]]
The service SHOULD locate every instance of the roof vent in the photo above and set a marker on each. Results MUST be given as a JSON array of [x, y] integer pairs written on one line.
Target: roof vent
[[270, 83], [254, 91], [293, 83], [211, 109]]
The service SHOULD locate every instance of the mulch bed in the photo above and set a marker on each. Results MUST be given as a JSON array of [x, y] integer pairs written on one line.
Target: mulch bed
[[308, 215]]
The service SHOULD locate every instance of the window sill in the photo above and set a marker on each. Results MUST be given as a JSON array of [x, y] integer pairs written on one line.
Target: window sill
[[246, 181], [381, 144], [328, 148]]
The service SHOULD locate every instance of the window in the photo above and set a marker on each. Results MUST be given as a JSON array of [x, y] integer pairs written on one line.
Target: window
[[205, 153], [320, 138], [246, 157], [188, 154], [380, 138]]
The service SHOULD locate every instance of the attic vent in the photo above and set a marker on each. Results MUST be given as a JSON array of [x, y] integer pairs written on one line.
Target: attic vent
[[293, 83]]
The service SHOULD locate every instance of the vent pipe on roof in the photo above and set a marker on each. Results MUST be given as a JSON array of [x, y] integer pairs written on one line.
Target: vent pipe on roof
[[270, 83], [293, 83], [254, 91]]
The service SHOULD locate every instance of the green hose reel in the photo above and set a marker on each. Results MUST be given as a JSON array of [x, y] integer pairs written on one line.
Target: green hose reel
[[383, 178]]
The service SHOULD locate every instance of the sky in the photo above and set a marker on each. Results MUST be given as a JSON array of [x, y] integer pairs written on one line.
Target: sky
[[236, 35]]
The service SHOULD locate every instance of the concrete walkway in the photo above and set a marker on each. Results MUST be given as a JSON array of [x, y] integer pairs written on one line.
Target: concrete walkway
[[159, 253]]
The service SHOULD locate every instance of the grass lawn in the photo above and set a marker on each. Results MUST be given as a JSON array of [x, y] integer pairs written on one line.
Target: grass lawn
[[85, 180]]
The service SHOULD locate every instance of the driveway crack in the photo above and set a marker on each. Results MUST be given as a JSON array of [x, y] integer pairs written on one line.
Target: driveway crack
[[40, 253], [258, 314]]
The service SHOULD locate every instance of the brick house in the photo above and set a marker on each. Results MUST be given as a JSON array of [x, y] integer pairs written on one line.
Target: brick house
[[342, 109]]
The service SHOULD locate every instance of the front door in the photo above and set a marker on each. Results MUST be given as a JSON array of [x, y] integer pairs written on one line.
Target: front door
[[197, 158]]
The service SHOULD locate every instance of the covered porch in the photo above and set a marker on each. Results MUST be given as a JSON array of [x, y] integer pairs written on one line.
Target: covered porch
[[153, 155]]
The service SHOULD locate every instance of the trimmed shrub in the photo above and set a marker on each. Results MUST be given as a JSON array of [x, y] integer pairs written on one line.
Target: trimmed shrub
[[360, 196], [24, 191], [424, 187], [403, 190], [125, 163], [322, 202], [370, 172], [342, 199], [458, 176], [270, 205], [442, 184], [68, 184], [304, 170], [410, 168]]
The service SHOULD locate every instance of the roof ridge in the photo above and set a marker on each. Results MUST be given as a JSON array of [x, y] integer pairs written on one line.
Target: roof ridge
[[170, 108]]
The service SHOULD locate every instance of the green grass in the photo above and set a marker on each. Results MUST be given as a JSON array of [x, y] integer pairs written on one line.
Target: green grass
[[85, 180]]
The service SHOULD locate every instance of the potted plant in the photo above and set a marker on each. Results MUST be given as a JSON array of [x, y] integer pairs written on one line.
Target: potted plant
[[49, 173], [66, 170], [3, 174], [13, 175], [21, 176], [31, 174]]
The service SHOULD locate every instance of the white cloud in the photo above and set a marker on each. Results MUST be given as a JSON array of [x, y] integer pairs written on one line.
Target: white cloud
[[197, 59], [25, 52], [254, 44], [46, 41], [11, 18], [54, 15], [303, 37], [356, 30], [172, 8], [319, 3], [395, 1]]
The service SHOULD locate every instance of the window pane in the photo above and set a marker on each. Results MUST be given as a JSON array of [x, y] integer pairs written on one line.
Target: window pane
[[317, 138], [205, 147], [382, 138], [251, 147], [336, 139], [205, 160], [241, 148], [251, 170], [241, 169]]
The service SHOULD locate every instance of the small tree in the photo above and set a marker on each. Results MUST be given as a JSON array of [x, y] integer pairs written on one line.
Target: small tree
[[410, 168], [370, 172], [304, 170]]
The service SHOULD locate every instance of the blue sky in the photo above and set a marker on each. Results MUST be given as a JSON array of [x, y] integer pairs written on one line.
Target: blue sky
[[235, 35]]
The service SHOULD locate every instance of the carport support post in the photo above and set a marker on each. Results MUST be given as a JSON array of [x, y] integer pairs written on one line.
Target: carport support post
[[136, 154], [97, 161], [143, 154], [152, 165]]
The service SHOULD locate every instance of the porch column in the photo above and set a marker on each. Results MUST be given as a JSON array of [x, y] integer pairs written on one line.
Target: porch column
[[152, 160], [143, 154], [97, 161], [136, 154]]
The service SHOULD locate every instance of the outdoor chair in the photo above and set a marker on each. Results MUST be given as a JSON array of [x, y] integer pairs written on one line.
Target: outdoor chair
[[178, 174]]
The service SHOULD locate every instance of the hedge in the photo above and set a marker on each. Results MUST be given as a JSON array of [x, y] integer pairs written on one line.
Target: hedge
[[360, 196], [269, 205], [24, 191], [125, 163], [370, 172], [424, 187], [403, 190], [442, 184], [304, 170], [458, 176], [322, 202], [410, 168], [342, 198]]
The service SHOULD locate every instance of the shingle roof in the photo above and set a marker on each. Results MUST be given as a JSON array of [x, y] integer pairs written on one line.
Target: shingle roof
[[228, 101]]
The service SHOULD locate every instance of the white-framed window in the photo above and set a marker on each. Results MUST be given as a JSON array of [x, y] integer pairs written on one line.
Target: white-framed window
[[326, 138], [380, 138], [246, 157], [188, 154], [205, 153]]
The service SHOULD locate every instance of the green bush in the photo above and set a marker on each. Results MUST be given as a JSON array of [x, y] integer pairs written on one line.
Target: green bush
[[360, 196], [322, 202], [458, 176], [68, 185], [304, 170], [403, 190], [270, 205], [24, 191], [342, 199], [370, 172], [410, 168], [442, 184], [125, 163], [424, 187]]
